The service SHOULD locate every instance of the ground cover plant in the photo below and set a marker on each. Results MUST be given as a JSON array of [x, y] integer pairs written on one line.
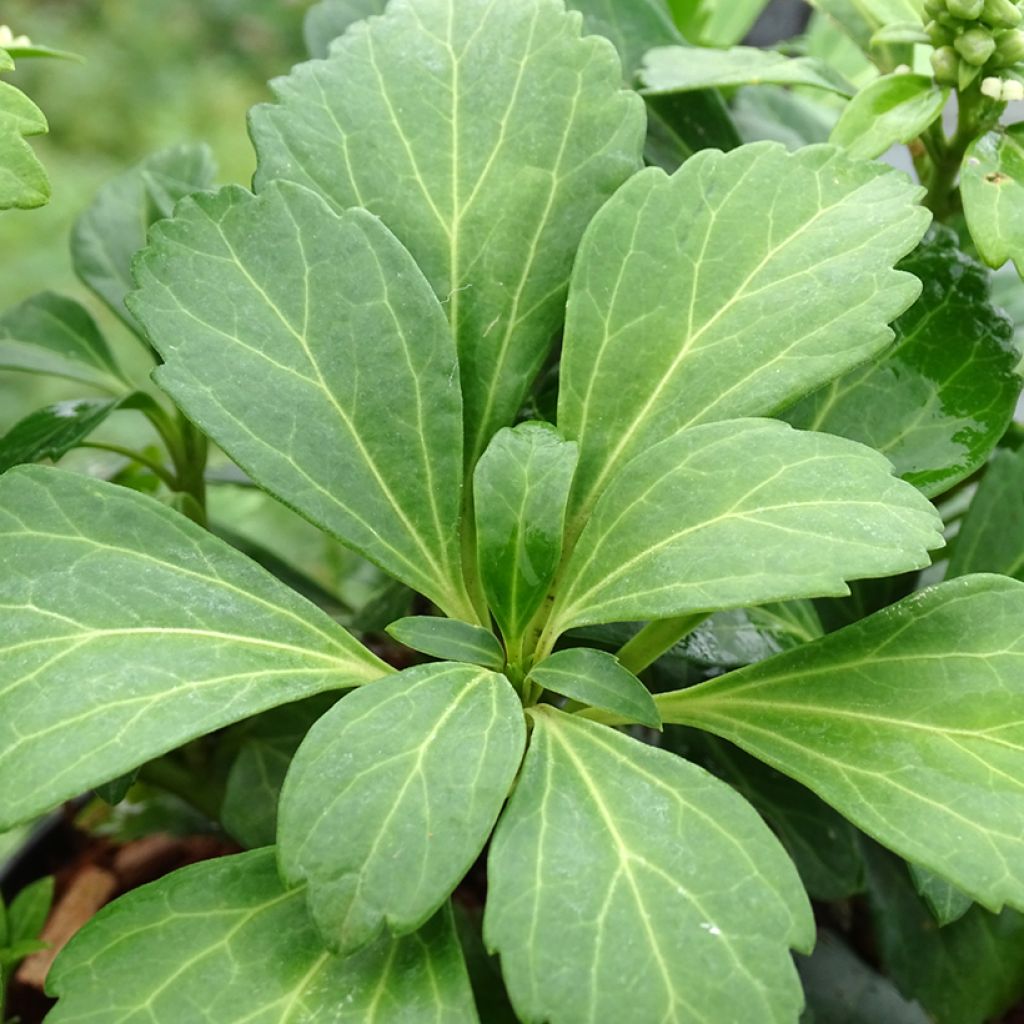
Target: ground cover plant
[[645, 471]]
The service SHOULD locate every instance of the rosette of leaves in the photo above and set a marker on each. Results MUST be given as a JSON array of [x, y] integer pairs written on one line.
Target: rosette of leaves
[[458, 182]]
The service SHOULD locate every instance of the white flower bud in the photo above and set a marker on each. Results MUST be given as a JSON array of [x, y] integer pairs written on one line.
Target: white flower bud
[[1012, 91], [992, 87]]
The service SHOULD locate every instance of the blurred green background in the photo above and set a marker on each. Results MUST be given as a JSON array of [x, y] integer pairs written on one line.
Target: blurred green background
[[153, 73]]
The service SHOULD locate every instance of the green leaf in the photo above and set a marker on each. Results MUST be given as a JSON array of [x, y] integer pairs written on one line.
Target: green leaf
[[262, 307], [15, 953], [123, 619], [393, 794], [861, 19], [520, 489], [992, 186], [113, 228], [29, 910], [254, 781], [965, 973], [670, 69], [449, 640], [6, 62], [938, 401], [52, 432], [597, 679], [328, 19], [991, 537], [624, 884], [54, 335], [895, 108], [746, 279], [224, 941], [499, 170], [771, 113], [741, 513], [909, 723], [633, 27], [717, 23], [946, 902], [23, 182]]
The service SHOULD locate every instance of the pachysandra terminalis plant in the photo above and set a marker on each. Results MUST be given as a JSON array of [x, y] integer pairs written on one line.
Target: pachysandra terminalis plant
[[458, 182]]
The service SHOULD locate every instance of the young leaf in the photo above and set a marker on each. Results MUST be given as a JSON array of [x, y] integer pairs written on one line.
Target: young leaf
[[909, 723], [946, 902], [674, 69], [328, 19], [597, 679], [272, 312], [700, 522], [746, 279], [54, 335], [991, 537], [224, 941], [895, 108], [113, 228], [449, 640], [520, 488], [52, 432], [28, 911], [524, 150], [122, 618], [992, 188], [935, 409], [23, 182], [606, 897], [393, 794]]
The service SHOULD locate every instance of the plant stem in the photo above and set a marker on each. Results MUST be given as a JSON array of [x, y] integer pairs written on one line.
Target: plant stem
[[655, 639], [129, 453]]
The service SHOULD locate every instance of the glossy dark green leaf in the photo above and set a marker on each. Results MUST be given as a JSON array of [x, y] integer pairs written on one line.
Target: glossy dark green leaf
[[746, 279], [597, 679], [23, 182], [124, 619], [326, 20], [624, 884], [54, 335], [113, 228], [992, 188], [946, 902], [264, 308], [52, 432], [253, 786], [895, 108], [991, 536], [449, 640], [909, 723], [488, 170], [938, 401], [739, 513], [520, 489], [965, 973], [393, 794], [224, 941], [674, 69]]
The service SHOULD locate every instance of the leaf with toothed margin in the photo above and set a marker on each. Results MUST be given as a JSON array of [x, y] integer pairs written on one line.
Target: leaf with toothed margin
[[224, 941], [910, 723], [625, 883], [485, 134], [392, 795], [746, 279], [327, 20], [124, 619]]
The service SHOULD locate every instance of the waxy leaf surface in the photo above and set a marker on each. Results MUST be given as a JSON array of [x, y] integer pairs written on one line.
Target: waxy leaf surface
[[670, 69], [113, 228], [449, 640], [596, 678], [938, 401], [54, 335], [625, 883], [223, 941], [486, 135], [745, 280], [520, 489], [393, 794], [741, 513], [992, 189], [910, 723], [309, 346], [129, 630], [23, 182]]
